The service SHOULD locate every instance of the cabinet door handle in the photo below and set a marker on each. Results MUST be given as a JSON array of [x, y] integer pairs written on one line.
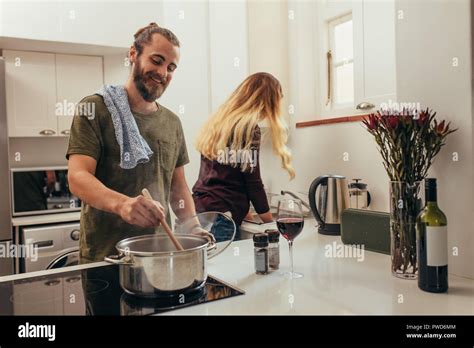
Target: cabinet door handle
[[66, 132], [329, 62], [47, 132], [365, 106]]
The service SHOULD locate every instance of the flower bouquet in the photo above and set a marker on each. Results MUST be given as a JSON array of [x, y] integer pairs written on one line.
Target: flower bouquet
[[408, 142]]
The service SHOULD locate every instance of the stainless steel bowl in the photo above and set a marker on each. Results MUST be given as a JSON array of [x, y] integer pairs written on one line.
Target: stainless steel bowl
[[150, 266]]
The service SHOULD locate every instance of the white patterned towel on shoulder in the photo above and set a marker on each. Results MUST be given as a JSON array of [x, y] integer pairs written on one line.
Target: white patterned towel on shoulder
[[133, 147]]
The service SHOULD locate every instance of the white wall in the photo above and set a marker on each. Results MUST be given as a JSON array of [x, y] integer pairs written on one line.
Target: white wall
[[188, 93], [110, 22], [269, 53], [228, 48], [302, 49], [321, 150], [426, 74], [207, 63], [1, 17]]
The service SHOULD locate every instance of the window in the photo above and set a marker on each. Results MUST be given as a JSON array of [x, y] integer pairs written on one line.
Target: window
[[341, 62]]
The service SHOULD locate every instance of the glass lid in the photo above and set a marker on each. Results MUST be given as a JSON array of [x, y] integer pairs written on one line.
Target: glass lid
[[219, 225]]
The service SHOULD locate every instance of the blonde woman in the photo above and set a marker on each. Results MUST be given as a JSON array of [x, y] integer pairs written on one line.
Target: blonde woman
[[229, 143]]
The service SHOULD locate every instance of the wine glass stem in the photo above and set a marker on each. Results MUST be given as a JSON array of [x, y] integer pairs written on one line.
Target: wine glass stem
[[290, 245]]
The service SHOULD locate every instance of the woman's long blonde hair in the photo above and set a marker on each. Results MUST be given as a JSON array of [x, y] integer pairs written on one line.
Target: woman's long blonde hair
[[257, 98]]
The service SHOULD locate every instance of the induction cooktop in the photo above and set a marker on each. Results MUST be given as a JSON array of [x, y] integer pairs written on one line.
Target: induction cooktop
[[96, 291]]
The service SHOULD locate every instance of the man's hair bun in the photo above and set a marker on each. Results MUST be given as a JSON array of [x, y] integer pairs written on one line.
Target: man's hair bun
[[149, 26]]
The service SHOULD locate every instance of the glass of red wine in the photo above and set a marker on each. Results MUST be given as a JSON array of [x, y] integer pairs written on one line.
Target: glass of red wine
[[290, 222]]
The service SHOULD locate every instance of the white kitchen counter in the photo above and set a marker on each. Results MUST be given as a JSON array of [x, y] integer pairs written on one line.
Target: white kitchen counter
[[329, 286]]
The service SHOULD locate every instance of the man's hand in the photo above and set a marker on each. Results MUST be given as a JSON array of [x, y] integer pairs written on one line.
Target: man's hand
[[199, 231], [142, 212]]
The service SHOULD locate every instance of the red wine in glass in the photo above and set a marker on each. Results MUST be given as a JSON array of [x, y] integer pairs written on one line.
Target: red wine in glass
[[290, 223], [290, 227]]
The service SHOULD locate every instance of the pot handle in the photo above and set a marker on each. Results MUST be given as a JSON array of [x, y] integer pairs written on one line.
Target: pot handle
[[119, 259], [212, 245]]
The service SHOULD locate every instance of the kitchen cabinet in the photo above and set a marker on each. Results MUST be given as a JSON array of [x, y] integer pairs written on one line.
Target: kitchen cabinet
[[6, 263], [374, 52], [42, 89], [31, 93], [76, 77], [45, 297], [369, 64]]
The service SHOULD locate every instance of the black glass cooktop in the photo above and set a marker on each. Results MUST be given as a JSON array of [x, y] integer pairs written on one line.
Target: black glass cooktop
[[96, 291]]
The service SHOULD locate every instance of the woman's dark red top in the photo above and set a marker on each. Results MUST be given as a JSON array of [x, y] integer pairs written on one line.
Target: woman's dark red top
[[222, 187]]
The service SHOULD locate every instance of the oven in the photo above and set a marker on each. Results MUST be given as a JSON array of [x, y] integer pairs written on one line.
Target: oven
[[49, 246], [41, 190]]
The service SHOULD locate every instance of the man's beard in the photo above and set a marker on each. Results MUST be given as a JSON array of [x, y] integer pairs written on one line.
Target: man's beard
[[151, 91]]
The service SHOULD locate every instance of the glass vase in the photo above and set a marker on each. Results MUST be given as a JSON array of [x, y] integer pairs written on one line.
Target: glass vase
[[405, 204]]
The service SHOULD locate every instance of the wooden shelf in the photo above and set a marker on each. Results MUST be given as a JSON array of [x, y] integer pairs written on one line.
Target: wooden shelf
[[342, 119]]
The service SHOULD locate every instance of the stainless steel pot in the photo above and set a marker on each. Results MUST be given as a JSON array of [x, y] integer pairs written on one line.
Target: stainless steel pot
[[148, 268]]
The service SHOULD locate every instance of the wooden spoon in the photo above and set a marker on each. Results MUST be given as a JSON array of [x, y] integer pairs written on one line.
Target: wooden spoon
[[167, 229]]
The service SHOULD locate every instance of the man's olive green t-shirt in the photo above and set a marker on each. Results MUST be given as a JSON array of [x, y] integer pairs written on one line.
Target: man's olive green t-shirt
[[94, 136]]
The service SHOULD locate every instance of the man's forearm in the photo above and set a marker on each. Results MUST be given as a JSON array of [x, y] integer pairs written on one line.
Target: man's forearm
[[182, 202], [89, 189]]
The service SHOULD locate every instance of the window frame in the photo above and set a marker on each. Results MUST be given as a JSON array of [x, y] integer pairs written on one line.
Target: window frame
[[330, 27]]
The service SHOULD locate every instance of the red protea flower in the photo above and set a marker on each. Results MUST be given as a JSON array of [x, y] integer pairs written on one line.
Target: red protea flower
[[371, 121], [392, 122], [440, 128], [423, 118]]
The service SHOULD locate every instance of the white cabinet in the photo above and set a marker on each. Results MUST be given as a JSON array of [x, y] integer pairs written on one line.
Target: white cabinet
[[371, 64], [43, 88], [374, 52], [31, 93], [76, 77]]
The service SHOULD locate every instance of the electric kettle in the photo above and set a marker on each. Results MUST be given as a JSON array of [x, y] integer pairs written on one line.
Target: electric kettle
[[332, 198]]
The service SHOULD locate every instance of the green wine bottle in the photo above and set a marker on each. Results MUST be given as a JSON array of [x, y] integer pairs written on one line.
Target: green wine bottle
[[432, 243]]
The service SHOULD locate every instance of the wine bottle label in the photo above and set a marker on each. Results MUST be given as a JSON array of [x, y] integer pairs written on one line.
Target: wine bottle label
[[436, 245]]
